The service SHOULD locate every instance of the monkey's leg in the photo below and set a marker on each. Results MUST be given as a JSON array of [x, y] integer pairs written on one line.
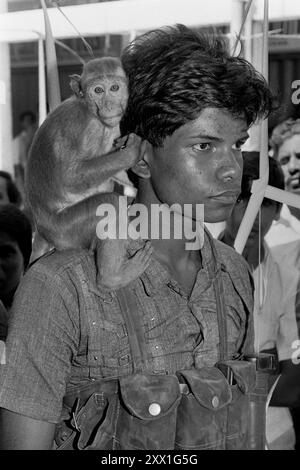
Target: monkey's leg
[[75, 226], [115, 269]]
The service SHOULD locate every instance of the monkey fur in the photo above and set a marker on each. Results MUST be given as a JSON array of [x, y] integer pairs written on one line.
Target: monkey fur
[[71, 162]]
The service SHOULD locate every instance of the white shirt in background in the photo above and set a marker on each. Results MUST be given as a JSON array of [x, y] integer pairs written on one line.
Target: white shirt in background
[[284, 230]]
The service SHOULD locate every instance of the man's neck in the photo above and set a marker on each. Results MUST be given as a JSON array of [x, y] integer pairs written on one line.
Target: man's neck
[[170, 248]]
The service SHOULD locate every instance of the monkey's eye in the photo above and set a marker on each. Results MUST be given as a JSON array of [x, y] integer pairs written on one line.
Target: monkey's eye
[[114, 87], [98, 89]]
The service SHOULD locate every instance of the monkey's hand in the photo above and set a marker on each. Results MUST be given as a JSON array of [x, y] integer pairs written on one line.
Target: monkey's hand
[[132, 148]]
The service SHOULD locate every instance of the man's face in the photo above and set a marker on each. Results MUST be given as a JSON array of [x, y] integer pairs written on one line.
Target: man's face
[[3, 191], [289, 159], [11, 265], [201, 163]]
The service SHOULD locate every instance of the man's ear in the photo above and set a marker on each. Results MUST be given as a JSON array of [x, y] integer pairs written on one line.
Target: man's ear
[[76, 85], [142, 168]]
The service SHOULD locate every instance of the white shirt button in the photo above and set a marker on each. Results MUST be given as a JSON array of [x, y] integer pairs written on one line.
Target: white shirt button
[[154, 409], [215, 402]]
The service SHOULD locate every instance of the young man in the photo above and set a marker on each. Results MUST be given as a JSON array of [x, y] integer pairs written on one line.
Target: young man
[[193, 103]]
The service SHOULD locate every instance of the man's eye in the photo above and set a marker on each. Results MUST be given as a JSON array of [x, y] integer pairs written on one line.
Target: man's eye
[[203, 146], [238, 145], [284, 160], [98, 89], [114, 87]]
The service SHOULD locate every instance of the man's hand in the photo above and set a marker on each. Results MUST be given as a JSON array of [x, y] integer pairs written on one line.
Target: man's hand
[[132, 147]]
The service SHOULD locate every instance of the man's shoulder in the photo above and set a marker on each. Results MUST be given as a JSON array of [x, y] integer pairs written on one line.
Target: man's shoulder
[[58, 262]]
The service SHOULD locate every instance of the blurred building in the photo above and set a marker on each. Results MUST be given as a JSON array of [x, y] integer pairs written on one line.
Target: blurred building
[[24, 60], [124, 21]]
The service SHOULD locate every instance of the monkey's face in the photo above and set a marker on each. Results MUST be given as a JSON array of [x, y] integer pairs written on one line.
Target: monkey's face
[[107, 97]]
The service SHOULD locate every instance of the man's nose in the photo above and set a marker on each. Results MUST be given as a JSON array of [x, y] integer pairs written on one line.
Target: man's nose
[[294, 164], [230, 168]]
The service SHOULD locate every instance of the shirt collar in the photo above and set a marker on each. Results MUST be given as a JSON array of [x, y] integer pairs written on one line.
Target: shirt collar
[[156, 274]]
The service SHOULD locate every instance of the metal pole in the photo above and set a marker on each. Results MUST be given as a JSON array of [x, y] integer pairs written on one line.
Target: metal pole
[[237, 12], [52, 69], [6, 146], [42, 83]]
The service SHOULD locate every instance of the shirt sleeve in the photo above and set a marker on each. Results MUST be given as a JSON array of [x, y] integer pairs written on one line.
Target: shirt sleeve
[[42, 339]]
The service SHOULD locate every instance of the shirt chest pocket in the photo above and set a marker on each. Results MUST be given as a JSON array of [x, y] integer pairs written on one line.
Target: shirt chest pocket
[[108, 343]]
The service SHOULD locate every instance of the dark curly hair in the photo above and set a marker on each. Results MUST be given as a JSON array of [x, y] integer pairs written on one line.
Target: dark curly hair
[[174, 73]]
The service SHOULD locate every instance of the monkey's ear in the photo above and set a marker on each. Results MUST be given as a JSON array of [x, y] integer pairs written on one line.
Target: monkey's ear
[[76, 85]]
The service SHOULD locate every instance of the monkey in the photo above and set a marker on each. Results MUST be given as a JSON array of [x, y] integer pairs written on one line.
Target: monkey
[[71, 162]]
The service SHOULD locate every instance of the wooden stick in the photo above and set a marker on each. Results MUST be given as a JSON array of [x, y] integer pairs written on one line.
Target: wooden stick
[[53, 87]]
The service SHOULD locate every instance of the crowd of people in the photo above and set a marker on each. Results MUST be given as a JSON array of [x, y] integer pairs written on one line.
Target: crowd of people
[[195, 121]]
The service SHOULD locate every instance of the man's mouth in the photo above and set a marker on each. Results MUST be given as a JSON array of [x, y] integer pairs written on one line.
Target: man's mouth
[[293, 183], [226, 197]]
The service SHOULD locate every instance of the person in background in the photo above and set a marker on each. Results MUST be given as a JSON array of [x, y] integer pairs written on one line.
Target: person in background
[[284, 236], [9, 192], [275, 300], [21, 146], [15, 250], [285, 148]]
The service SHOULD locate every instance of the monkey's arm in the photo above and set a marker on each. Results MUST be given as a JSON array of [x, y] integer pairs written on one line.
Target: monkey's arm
[[97, 170], [100, 169]]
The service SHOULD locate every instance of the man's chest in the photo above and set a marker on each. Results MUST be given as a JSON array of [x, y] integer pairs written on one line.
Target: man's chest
[[174, 332]]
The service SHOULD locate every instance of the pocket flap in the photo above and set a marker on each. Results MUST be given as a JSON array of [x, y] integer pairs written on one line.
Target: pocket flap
[[150, 396], [244, 374], [209, 386]]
